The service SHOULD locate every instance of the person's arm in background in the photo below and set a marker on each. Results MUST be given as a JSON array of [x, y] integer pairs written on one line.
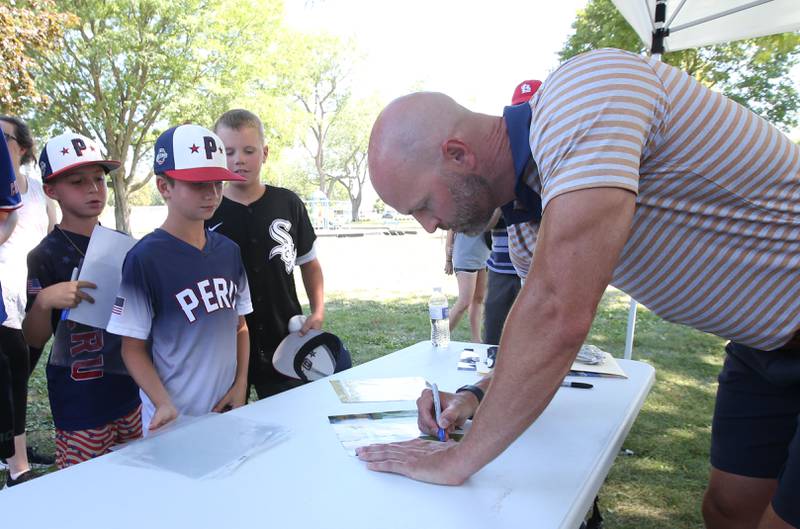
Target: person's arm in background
[[8, 221], [52, 216], [581, 237], [495, 217], [314, 283], [448, 252]]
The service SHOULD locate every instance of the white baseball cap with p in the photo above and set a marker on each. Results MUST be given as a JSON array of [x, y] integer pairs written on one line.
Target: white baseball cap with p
[[192, 153], [70, 151]]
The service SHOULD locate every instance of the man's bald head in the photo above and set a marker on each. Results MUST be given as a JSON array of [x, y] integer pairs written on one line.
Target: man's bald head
[[409, 132], [423, 149]]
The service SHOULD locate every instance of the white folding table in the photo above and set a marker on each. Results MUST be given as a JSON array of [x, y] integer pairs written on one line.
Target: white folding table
[[546, 479]]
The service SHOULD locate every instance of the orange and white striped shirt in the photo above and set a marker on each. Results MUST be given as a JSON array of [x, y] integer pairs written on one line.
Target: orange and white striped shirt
[[715, 240]]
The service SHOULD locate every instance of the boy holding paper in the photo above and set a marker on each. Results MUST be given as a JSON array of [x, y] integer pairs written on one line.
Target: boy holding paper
[[93, 409], [184, 292]]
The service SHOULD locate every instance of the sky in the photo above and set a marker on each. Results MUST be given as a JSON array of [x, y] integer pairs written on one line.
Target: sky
[[475, 51]]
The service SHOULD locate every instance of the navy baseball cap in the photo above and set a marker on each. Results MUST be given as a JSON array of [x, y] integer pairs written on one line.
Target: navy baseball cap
[[69, 151], [193, 154]]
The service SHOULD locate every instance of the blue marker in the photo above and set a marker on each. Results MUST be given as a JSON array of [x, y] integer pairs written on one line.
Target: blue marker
[[65, 312], [437, 408]]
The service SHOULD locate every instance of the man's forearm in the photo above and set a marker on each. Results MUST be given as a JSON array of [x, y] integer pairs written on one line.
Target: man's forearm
[[574, 262], [524, 381]]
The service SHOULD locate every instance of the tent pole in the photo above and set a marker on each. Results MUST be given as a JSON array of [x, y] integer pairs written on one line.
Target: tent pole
[[675, 13], [721, 14], [660, 32]]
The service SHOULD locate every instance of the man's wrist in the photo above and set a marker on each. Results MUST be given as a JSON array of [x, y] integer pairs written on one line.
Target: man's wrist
[[475, 390]]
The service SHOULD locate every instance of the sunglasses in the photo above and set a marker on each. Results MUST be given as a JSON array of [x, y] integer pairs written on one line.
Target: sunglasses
[[10, 137]]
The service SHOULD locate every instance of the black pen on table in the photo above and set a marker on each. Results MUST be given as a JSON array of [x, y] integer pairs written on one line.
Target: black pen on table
[[577, 385]]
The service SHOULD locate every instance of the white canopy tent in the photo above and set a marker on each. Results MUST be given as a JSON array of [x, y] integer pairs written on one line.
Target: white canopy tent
[[694, 23], [672, 25]]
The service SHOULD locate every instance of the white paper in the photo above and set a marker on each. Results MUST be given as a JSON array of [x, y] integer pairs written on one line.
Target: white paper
[[609, 368], [379, 389], [102, 266]]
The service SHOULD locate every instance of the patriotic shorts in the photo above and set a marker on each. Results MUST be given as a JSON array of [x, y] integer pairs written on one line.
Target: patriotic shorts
[[77, 446]]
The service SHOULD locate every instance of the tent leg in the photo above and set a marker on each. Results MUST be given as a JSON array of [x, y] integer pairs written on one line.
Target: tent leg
[[631, 329]]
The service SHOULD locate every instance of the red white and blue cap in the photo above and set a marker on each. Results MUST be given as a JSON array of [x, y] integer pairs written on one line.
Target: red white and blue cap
[[524, 91], [192, 153], [70, 151]]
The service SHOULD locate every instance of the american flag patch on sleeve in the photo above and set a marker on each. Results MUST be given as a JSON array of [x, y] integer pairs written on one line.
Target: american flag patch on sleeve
[[119, 304], [34, 286]]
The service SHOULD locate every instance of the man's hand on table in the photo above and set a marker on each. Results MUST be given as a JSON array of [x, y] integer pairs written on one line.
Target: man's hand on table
[[429, 461]]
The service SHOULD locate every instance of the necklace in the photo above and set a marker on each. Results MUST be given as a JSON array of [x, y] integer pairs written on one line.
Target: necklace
[[69, 240]]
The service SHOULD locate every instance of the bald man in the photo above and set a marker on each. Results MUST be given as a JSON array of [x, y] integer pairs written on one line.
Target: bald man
[[630, 173]]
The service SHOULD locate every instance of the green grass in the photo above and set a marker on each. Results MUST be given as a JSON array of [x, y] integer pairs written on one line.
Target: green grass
[[660, 485]]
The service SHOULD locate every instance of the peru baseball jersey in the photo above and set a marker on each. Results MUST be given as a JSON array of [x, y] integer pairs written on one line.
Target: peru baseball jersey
[[186, 303]]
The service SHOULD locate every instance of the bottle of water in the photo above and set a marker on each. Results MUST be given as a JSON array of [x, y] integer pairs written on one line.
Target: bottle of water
[[440, 319]]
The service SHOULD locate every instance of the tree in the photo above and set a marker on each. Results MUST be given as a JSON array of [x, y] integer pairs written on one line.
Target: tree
[[25, 30], [349, 138], [131, 69], [322, 95], [753, 72]]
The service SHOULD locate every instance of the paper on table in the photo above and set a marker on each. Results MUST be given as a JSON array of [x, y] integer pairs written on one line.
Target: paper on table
[[469, 360], [379, 389], [211, 446], [364, 429], [607, 368], [102, 266]]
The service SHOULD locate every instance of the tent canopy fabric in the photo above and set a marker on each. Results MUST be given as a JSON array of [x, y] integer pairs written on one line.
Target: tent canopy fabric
[[694, 23]]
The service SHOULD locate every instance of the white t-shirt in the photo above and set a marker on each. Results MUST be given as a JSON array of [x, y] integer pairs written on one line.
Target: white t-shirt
[[31, 228]]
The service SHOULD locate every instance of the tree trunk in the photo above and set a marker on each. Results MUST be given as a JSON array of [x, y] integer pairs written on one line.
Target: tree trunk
[[355, 205], [122, 209]]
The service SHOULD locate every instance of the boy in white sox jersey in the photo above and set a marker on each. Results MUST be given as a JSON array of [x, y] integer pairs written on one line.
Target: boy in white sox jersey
[[271, 226], [184, 291]]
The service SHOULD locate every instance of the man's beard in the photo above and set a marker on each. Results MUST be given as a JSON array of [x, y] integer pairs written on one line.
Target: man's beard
[[471, 194]]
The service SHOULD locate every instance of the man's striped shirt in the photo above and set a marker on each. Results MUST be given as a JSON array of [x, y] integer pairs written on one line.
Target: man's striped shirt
[[715, 240]]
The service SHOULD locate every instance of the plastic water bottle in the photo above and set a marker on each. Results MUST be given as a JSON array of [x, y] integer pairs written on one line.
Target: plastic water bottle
[[440, 319]]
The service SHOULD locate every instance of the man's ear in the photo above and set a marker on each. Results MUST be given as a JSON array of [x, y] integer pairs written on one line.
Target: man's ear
[[266, 153], [457, 152]]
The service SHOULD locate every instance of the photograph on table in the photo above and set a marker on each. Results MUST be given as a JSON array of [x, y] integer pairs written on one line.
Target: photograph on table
[[363, 429]]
